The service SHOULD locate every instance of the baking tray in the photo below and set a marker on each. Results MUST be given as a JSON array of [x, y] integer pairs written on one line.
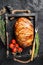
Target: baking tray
[[9, 35]]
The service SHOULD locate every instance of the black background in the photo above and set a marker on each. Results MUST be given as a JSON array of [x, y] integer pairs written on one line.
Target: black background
[[23, 4]]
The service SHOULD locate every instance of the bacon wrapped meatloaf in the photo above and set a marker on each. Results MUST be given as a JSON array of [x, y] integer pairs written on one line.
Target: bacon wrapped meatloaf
[[24, 31]]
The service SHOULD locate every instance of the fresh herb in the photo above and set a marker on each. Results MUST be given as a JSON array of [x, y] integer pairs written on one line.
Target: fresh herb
[[2, 29]]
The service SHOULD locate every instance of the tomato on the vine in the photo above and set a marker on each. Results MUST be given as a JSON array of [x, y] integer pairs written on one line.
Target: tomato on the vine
[[11, 46], [20, 50], [14, 50], [13, 41], [16, 45]]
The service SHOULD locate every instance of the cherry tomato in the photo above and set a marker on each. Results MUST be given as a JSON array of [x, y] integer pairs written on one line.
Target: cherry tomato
[[16, 45], [20, 50], [11, 46], [14, 50], [13, 41]]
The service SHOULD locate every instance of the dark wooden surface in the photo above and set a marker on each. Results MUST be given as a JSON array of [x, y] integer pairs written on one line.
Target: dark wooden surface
[[18, 4]]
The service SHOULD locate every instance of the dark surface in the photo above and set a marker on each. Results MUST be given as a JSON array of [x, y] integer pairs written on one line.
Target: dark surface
[[23, 4]]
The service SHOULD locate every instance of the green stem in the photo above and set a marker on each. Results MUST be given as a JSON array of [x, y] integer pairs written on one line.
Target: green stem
[[37, 44]]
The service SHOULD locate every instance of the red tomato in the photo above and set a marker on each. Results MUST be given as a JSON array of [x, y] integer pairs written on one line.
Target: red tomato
[[13, 41], [16, 45], [20, 50], [11, 46], [14, 50]]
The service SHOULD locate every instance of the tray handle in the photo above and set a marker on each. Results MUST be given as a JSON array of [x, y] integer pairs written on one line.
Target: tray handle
[[17, 11]]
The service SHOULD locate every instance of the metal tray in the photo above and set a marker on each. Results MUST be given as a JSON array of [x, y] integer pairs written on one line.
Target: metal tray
[[9, 33]]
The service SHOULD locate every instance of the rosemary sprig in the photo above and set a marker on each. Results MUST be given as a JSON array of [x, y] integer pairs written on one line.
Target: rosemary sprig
[[2, 29]]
